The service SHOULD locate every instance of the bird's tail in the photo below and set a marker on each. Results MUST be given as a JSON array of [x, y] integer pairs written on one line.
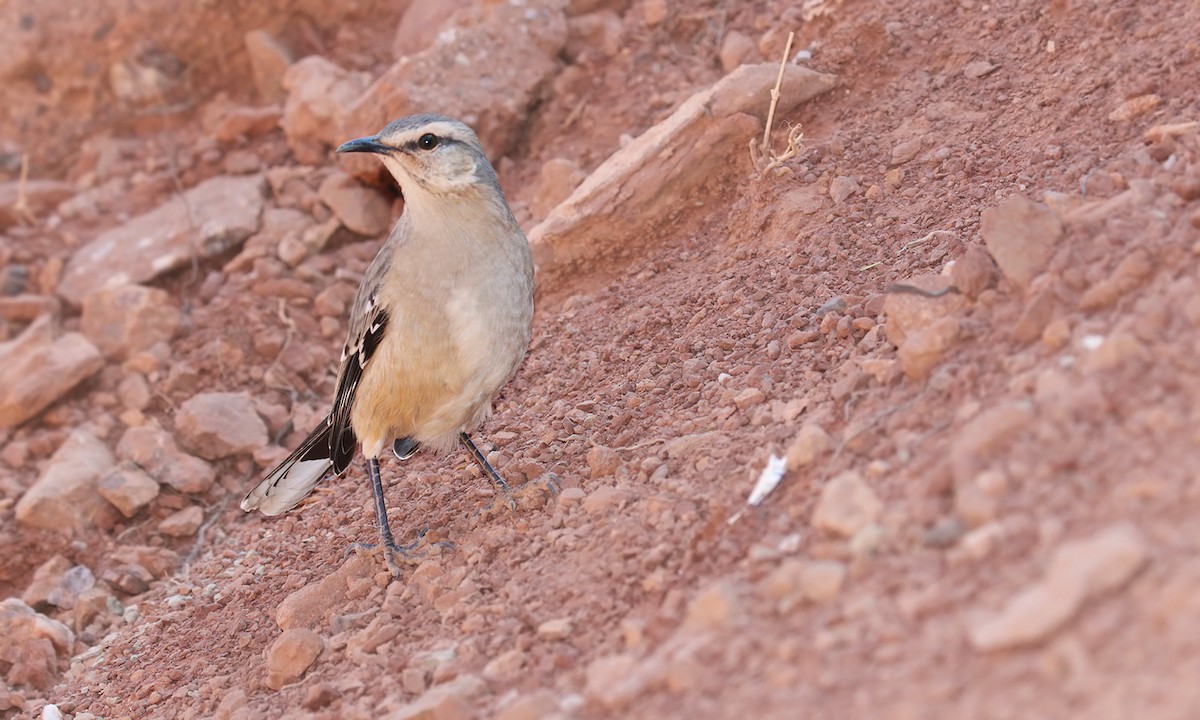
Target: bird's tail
[[295, 477]]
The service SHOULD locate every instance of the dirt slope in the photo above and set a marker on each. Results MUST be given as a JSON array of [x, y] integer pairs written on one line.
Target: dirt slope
[[656, 391]]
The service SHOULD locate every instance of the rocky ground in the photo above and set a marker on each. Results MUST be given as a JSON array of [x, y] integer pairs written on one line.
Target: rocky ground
[[957, 318]]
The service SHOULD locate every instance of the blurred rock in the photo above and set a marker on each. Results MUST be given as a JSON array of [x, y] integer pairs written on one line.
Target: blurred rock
[[128, 488], [908, 312], [219, 425], [557, 180], [493, 98], [362, 209], [123, 320], [64, 497], [183, 523], [154, 450], [795, 580], [447, 701], [613, 681], [1022, 236], [41, 196], [158, 561], [1079, 571], [556, 629], [229, 124], [421, 24], [647, 178], [291, 655], [318, 94], [45, 579], [714, 608], [311, 606], [269, 59], [847, 505], [33, 645], [39, 367], [809, 444], [27, 308], [987, 433], [602, 461], [654, 11], [536, 705], [737, 49], [593, 36], [924, 348], [974, 272], [210, 219]]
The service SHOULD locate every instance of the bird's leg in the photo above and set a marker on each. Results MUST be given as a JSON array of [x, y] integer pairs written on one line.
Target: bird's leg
[[490, 471], [390, 548]]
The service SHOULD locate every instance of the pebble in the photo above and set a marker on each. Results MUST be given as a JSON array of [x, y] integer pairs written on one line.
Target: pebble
[[128, 488], [1022, 236], [974, 271], [613, 681], [220, 424], [154, 450], [312, 605], [602, 461], [748, 398], [45, 579], [1079, 571], [715, 607], [291, 655], [847, 505], [537, 705], [603, 498], [182, 523], [362, 209], [923, 349], [655, 11], [448, 701], [556, 629], [986, 433], [39, 367], [841, 188], [505, 667], [810, 443]]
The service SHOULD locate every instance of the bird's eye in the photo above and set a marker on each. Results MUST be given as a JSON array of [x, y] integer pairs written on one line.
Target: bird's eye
[[428, 141]]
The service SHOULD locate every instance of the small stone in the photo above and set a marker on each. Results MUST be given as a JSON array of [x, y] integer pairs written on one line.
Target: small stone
[[64, 497], [737, 49], [821, 580], [841, 188], [749, 398], [905, 151], [557, 180], [556, 629], [974, 271], [45, 579], [714, 608], [320, 695], [571, 496], [1134, 107], [41, 643], [847, 505], [269, 60], [1079, 571], [447, 701], [602, 461], [654, 11], [290, 656], [219, 425], [603, 498], [978, 68], [128, 488], [810, 443], [504, 667], [421, 24], [1022, 236], [591, 34], [38, 368], [27, 308], [1039, 311], [613, 680], [923, 349], [362, 209], [909, 312], [134, 392], [312, 605], [538, 705], [987, 433], [319, 93], [154, 450], [414, 680], [182, 523]]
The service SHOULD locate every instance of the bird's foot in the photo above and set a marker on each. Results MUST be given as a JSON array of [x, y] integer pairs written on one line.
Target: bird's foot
[[398, 556]]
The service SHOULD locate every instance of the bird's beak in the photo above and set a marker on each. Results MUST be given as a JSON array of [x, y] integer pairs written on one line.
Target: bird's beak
[[365, 145]]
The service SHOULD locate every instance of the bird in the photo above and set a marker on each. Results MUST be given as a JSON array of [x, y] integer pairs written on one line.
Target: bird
[[438, 327]]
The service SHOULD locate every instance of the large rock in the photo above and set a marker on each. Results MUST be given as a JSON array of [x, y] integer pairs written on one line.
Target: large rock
[[208, 220], [642, 184], [64, 498], [39, 367], [496, 59], [124, 320], [218, 425], [421, 23]]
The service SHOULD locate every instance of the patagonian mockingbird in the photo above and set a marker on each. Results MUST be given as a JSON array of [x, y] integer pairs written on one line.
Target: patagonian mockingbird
[[439, 325]]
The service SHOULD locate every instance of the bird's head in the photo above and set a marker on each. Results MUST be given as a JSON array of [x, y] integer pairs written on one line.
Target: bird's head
[[432, 154]]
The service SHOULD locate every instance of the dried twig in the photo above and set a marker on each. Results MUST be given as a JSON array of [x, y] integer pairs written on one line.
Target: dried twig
[[763, 155]]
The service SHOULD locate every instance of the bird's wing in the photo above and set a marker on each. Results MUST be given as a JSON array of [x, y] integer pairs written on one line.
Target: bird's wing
[[295, 477], [369, 322]]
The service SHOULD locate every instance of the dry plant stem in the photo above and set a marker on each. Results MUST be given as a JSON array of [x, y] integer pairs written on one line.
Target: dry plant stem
[[787, 52]]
